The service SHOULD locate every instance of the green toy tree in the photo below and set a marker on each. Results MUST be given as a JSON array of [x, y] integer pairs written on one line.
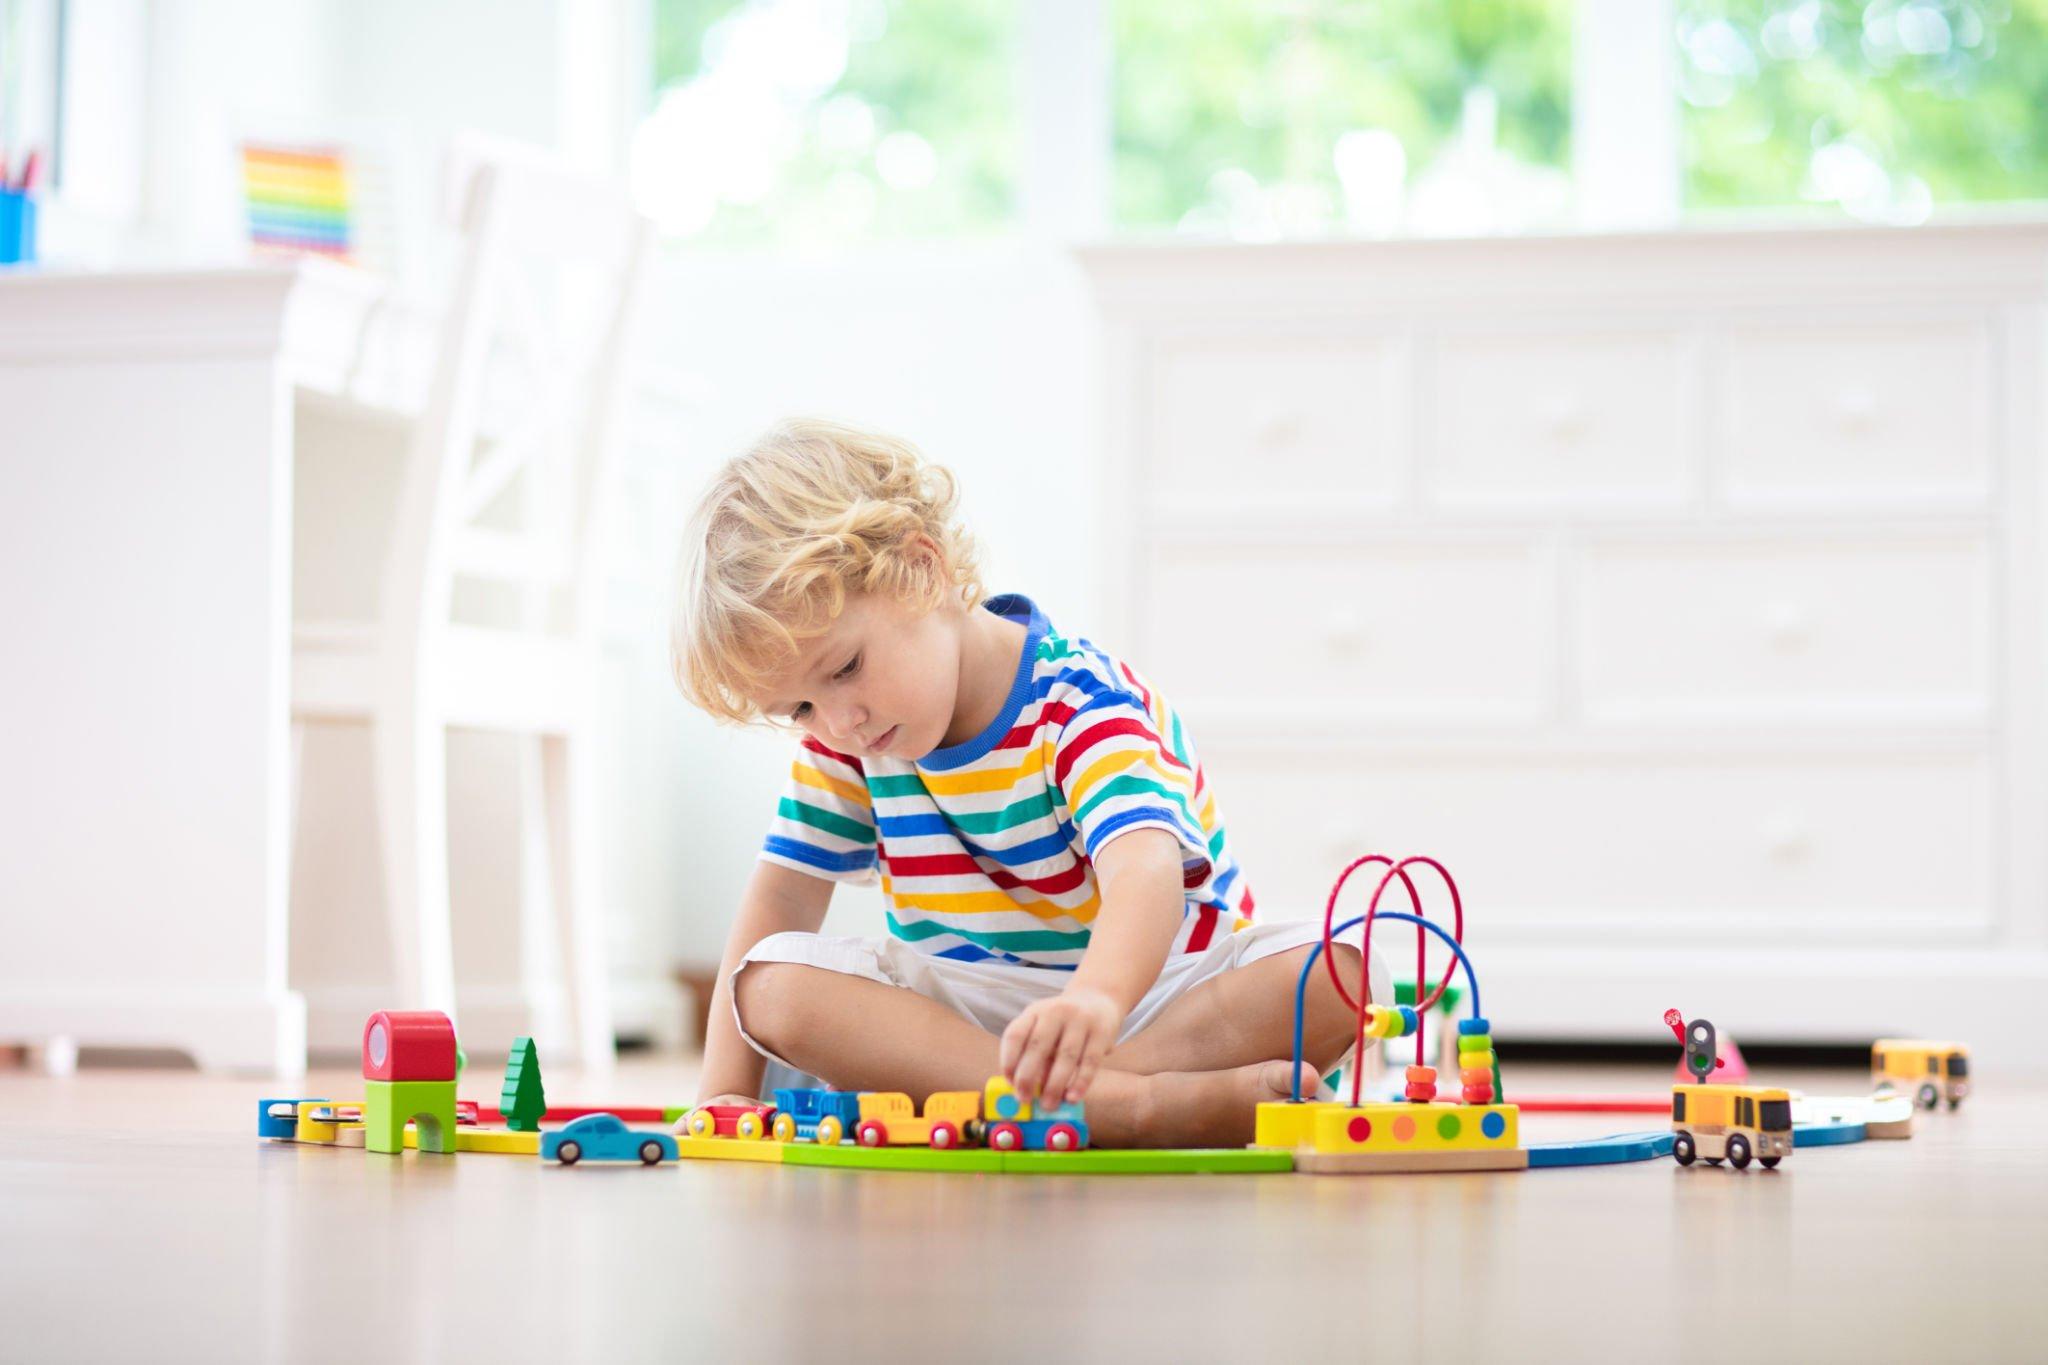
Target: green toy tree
[[522, 1102]]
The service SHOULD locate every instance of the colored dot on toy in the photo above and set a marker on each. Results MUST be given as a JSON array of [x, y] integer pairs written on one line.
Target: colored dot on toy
[[1404, 1128], [1447, 1126], [1359, 1129], [1493, 1125]]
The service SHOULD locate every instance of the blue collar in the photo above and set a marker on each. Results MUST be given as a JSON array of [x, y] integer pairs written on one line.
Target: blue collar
[[1019, 608]]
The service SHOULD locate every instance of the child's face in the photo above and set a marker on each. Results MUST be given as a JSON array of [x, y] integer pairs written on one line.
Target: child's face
[[883, 679]]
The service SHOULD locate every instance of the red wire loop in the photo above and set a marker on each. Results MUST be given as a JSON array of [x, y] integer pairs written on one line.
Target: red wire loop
[[1364, 1001]]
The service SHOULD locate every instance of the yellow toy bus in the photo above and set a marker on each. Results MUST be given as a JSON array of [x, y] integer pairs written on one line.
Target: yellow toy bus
[[1738, 1122], [1929, 1072]]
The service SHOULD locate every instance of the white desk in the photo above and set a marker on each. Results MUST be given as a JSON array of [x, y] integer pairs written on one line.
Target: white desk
[[146, 436]]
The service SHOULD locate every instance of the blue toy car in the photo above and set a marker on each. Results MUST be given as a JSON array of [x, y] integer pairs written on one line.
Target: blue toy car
[[821, 1116], [605, 1137]]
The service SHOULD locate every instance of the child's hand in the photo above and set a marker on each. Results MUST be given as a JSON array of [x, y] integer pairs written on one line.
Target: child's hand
[[1051, 1050]]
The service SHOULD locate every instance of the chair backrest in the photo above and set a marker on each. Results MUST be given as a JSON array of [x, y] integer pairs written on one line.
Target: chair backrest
[[514, 444]]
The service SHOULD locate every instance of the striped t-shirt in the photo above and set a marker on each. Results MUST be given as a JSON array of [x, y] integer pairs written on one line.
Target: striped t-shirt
[[985, 847]]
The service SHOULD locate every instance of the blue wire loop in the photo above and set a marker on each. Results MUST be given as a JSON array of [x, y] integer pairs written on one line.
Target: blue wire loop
[[1301, 989]]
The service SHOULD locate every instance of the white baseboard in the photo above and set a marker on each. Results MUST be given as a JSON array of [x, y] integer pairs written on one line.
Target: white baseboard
[[1977, 997], [230, 1031]]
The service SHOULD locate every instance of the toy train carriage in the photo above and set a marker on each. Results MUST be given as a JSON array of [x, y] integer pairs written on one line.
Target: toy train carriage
[[1738, 1122], [747, 1121], [889, 1117], [821, 1116], [1929, 1072], [1008, 1123]]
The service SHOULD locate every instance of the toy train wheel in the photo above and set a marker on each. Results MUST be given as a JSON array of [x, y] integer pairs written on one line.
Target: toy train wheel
[[752, 1127], [650, 1153], [829, 1131], [871, 1134], [701, 1124], [1006, 1137], [944, 1136], [1683, 1150], [1770, 1162], [1062, 1137], [1929, 1096], [1738, 1152], [784, 1128], [569, 1153]]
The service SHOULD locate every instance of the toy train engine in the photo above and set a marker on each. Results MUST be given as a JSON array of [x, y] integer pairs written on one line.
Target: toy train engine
[[1009, 1124]]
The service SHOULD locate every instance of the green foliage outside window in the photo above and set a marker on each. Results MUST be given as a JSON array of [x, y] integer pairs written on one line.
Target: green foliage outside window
[[1215, 98], [796, 122], [1885, 107]]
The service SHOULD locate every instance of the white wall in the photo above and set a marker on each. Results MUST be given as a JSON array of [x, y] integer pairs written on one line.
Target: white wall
[[979, 354], [983, 358]]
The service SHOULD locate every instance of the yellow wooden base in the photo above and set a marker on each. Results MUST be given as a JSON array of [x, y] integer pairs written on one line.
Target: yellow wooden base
[[729, 1149], [1395, 1163]]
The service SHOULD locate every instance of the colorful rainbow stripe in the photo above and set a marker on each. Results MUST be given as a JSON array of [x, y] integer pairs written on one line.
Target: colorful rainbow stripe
[[298, 200], [985, 849]]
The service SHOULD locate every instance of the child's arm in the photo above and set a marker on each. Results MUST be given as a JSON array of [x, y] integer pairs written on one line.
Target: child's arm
[[777, 898], [1062, 1040]]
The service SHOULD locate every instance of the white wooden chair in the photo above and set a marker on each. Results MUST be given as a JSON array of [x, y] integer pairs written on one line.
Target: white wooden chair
[[501, 490]]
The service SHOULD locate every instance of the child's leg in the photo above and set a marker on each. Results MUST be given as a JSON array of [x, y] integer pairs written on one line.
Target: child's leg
[[859, 1034], [1247, 1015]]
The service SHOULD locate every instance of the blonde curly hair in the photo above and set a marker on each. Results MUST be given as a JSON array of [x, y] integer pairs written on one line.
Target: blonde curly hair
[[810, 512]]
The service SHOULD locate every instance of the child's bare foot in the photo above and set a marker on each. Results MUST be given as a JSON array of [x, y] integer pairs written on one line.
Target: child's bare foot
[[1187, 1108]]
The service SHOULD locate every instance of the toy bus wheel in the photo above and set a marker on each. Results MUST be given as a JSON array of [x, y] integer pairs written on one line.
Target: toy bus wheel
[[829, 1131], [1770, 1162], [752, 1127], [1952, 1105], [569, 1153], [1929, 1097], [784, 1128], [1062, 1137], [1683, 1150], [944, 1136], [1738, 1152], [702, 1123], [871, 1134], [650, 1153], [1006, 1137]]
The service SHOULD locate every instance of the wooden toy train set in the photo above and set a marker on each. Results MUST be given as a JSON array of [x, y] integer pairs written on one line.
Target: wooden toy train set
[[412, 1064]]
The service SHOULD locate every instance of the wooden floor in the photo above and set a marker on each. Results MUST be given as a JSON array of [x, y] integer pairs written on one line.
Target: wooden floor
[[141, 1219]]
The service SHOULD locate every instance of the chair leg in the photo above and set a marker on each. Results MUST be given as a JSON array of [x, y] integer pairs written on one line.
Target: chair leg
[[412, 819], [570, 783]]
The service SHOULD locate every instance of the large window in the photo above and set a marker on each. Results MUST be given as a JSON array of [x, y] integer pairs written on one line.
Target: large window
[[825, 120], [1262, 119], [794, 121], [1883, 107]]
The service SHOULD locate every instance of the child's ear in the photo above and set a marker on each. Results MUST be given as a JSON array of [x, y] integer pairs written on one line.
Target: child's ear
[[931, 563]]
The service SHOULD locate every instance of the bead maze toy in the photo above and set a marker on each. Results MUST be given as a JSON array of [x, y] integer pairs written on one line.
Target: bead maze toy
[[1420, 1133]]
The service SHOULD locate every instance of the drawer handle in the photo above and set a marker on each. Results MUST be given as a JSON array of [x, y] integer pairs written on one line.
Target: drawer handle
[[1565, 417], [1857, 408], [1344, 630], [1788, 624], [1281, 433], [1786, 837]]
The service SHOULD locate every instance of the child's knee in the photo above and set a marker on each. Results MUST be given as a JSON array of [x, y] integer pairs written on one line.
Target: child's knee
[[769, 997]]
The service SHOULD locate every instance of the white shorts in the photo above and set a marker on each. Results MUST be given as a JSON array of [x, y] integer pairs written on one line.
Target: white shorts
[[991, 994]]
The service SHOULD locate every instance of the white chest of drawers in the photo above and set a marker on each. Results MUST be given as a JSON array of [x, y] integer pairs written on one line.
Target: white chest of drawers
[[1682, 593]]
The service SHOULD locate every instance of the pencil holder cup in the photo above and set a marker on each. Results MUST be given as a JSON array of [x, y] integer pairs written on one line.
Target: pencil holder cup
[[17, 228]]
